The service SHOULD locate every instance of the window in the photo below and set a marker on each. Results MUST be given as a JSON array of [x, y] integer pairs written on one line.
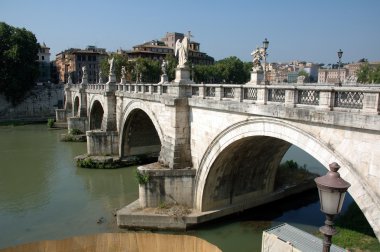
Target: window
[[43, 57]]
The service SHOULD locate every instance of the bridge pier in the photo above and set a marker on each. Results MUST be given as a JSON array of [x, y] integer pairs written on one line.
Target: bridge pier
[[102, 143], [77, 123]]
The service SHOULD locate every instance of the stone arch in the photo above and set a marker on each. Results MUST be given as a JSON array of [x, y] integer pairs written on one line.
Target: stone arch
[[271, 128], [96, 114], [76, 106], [138, 110]]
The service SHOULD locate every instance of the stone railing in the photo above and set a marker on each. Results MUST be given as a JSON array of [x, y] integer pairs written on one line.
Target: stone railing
[[365, 98], [146, 88], [327, 97]]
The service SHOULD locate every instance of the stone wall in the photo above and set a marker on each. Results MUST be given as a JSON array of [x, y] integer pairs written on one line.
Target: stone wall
[[40, 104]]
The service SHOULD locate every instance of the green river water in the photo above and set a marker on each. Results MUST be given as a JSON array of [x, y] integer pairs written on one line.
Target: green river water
[[43, 195]]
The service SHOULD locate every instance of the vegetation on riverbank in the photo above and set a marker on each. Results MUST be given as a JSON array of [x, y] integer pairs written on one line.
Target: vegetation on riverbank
[[291, 173], [98, 163], [355, 233], [74, 135]]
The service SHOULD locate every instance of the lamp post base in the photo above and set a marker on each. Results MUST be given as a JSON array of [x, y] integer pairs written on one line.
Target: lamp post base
[[328, 230]]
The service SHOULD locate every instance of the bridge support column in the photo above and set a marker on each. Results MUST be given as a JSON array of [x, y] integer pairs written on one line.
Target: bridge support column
[[175, 151], [60, 115], [166, 186], [101, 143], [83, 104], [77, 123], [109, 117]]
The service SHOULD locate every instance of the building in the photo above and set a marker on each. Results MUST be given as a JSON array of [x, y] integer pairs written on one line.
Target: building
[[332, 75], [43, 59], [155, 50], [159, 49], [71, 61]]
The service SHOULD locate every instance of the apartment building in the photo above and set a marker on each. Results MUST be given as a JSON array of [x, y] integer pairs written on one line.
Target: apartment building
[[43, 59], [71, 61], [158, 49]]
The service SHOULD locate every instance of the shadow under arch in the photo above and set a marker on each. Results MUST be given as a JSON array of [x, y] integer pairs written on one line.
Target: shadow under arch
[[140, 133], [76, 106], [96, 115], [262, 133]]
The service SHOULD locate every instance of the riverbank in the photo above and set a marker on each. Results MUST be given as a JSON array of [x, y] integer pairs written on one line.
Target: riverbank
[[355, 233]]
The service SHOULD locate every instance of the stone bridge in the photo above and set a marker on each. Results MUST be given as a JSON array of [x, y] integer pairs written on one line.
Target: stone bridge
[[219, 146]]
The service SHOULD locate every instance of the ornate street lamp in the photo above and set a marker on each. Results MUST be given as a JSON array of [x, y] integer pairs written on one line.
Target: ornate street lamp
[[340, 53], [265, 47], [332, 189]]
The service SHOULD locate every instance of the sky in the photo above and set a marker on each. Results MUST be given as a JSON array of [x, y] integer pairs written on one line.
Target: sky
[[312, 31]]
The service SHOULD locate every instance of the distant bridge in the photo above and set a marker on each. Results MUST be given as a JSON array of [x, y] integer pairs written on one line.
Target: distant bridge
[[220, 145]]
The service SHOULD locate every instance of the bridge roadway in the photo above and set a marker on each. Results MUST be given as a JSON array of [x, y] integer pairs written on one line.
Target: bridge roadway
[[219, 145]]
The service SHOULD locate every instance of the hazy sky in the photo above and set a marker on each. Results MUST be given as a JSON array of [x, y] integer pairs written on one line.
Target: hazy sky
[[297, 30]]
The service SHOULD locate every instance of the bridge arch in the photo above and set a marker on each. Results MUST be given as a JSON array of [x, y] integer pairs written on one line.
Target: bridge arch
[[140, 132], [280, 134], [76, 106], [96, 114]]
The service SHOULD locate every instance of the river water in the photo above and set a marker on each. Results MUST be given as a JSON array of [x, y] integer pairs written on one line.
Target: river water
[[43, 195]]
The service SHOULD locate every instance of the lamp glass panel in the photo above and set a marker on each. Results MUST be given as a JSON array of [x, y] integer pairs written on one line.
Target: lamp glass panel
[[331, 201]]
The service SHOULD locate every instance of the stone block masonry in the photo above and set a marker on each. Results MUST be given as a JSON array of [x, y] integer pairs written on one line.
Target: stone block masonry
[[39, 105]]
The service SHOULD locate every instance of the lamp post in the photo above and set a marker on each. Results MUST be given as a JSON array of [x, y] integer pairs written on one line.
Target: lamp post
[[332, 189], [265, 47], [340, 53]]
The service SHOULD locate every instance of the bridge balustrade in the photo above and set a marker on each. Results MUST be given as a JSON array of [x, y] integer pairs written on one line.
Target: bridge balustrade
[[326, 97]]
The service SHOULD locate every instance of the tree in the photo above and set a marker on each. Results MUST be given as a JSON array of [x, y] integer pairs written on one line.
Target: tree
[[304, 73], [119, 61], [228, 70], [171, 65], [368, 74], [18, 65]]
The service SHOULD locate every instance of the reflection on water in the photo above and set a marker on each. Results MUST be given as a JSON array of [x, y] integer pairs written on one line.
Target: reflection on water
[[43, 195]]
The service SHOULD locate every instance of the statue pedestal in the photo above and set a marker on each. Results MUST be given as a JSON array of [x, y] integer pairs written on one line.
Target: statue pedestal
[[257, 77], [182, 76], [112, 78], [164, 79]]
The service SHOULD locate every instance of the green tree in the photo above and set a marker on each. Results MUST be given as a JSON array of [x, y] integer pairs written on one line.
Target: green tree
[[18, 66], [150, 70], [119, 61], [170, 69], [228, 70], [368, 74], [304, 73]]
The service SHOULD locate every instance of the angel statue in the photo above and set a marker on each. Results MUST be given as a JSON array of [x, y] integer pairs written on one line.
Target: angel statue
[[257, 57], [181, 49]]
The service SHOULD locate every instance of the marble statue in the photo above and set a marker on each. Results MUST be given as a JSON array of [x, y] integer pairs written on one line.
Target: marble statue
[[123, 72], [181, 49], [257, 57], [100, 76], [84, 72], [111, 62], [163, 67]]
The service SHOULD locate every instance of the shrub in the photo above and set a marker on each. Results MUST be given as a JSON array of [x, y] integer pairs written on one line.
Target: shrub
[[142, 178], [50, 123], [75, 132]]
